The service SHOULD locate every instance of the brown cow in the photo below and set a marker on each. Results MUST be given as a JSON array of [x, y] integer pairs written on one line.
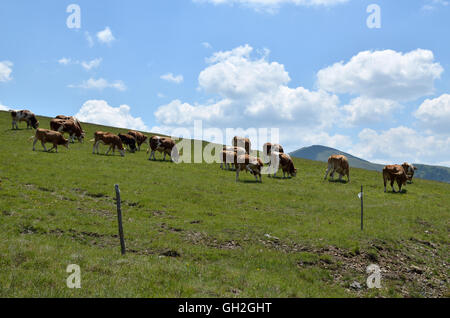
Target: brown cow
[[140, 137], [409, 170], [49, 136], [269, 147], [129, 141], [24, 115], [339, 164], [236, 150], [249, 163], [165, 145], [285, 162], [228, 158], [70, 126], [243, 143], [394, 173], [110, 140], [77, 122]]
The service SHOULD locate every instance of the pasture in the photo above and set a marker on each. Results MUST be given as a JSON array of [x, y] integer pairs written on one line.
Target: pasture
[[192, 231]]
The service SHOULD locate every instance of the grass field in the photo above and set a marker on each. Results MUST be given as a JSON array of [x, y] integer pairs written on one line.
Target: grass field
[[192, 231]]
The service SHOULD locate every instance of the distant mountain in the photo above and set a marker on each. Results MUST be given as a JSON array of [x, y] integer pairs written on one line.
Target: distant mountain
[[321, 153]]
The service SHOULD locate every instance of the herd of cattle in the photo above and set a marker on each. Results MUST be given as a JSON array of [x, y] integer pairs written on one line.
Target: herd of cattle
[[235, 157]]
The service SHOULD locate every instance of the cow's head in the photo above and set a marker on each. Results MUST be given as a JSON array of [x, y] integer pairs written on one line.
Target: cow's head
[[35, 124], [81, 137]]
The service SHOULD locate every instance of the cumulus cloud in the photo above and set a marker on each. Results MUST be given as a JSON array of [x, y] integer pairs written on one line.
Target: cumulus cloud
[[99, 112], [364, 110], [400, 144], [434, 114], [5, 71], [251, 92], [100, 84], [105, 36], [172, 78], [273, 5], [383, 74], [3, 107], [234, 74]]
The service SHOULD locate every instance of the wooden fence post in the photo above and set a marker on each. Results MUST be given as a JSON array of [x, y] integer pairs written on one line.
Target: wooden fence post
[[119, 219]]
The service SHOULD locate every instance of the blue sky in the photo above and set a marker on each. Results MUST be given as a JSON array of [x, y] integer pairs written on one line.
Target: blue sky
[[241, 63]]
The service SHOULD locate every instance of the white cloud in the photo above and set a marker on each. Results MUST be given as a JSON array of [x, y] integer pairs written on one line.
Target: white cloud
[[99, 112], [87, 65], [105, 36], [400, 144], [252, 93], [172, 78], [89, 39], [5, 71], [364, 110], [433, 4], [64, 61], [91, 64], [383, 74], [3, 107], [434, 114], [100, 84], [273, 5], [206, 45], [234, 74]]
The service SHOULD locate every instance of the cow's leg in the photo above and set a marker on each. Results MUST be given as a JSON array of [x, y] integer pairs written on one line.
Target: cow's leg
[[164, 156], [348, 177], [399, 183], [384, 181], [340, 177], [284, 174], [109, 150], [43, 146], [93, 148], [326, 173], [34, 143], [392, 186], [13, 124], [237, 172]]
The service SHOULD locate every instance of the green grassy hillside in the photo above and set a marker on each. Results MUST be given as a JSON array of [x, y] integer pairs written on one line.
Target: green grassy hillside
[[321, 153], [192, 231]]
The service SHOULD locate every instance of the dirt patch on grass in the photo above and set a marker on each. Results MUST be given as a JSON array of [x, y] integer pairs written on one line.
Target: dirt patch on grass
[[412, 268], [201, 238]]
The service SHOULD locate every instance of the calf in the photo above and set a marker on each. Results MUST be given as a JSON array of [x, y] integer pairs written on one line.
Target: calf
[[109, 139], [24, 115], [409, 170], [285, 162], [394, 173], [339, 164], [165, 145], [140, 138], [242, 142], [128, 140], [249, 163], [69, 126], [49, 136]]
